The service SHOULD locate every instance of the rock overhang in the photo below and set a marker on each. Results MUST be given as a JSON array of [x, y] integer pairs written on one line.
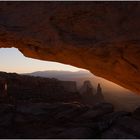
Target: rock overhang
[[102, 37]]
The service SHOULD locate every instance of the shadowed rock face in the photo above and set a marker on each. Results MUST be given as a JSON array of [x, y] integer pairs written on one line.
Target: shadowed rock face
[[103, 37]]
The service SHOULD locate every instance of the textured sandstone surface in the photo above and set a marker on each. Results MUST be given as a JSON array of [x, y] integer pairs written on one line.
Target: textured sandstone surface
[[103, 37]]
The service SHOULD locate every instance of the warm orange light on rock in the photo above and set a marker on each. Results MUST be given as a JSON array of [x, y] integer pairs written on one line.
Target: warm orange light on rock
[[102, 37]]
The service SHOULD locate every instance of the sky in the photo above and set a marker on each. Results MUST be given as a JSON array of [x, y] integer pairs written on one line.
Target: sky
[[12, 60]]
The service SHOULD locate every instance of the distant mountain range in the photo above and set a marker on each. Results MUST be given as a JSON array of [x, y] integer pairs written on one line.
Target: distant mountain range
[[78, 76]]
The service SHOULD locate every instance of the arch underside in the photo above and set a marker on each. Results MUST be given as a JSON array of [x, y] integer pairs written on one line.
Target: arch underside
[[102, 37]]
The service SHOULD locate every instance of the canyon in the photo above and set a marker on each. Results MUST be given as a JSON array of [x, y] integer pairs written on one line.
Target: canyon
[[37, 107], [16, 87], [102, 37]]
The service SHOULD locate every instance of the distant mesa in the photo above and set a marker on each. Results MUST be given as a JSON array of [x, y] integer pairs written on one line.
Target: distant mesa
[[86, 86], [23, 87], [69, 86]]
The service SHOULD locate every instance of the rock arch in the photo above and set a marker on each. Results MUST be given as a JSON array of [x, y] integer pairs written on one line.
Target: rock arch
[[103, 37]]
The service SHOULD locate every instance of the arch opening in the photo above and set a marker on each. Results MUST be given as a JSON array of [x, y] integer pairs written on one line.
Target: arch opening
[[13, 61]]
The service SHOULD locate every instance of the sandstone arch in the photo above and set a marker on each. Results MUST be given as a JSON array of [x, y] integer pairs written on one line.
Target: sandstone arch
[[103, 37]]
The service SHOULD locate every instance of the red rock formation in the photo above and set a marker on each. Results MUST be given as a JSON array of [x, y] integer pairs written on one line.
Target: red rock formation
[[103, 37]]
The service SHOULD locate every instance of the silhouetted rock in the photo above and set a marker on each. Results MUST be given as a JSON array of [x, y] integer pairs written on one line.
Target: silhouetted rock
[[136, 113], [70, 114], [99, 95], [76, 133], [69, 86], [4, 108], [124, 127], [104, 122], [32, 108], [22, 87], [97, 111], [104, 106], [87, 92], [86, 85], [65, 117], [117, 133], [90, 95], [58, 112], [110, 118], [6, 115], [66, 120]]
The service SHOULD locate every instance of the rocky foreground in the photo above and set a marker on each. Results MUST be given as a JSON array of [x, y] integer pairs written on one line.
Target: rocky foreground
[[67, 120]]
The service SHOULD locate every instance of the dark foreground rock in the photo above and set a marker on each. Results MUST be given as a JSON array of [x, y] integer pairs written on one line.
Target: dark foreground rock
[[66, 120], [96, 111], [77, 133], [136, 114], [124, 127]]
